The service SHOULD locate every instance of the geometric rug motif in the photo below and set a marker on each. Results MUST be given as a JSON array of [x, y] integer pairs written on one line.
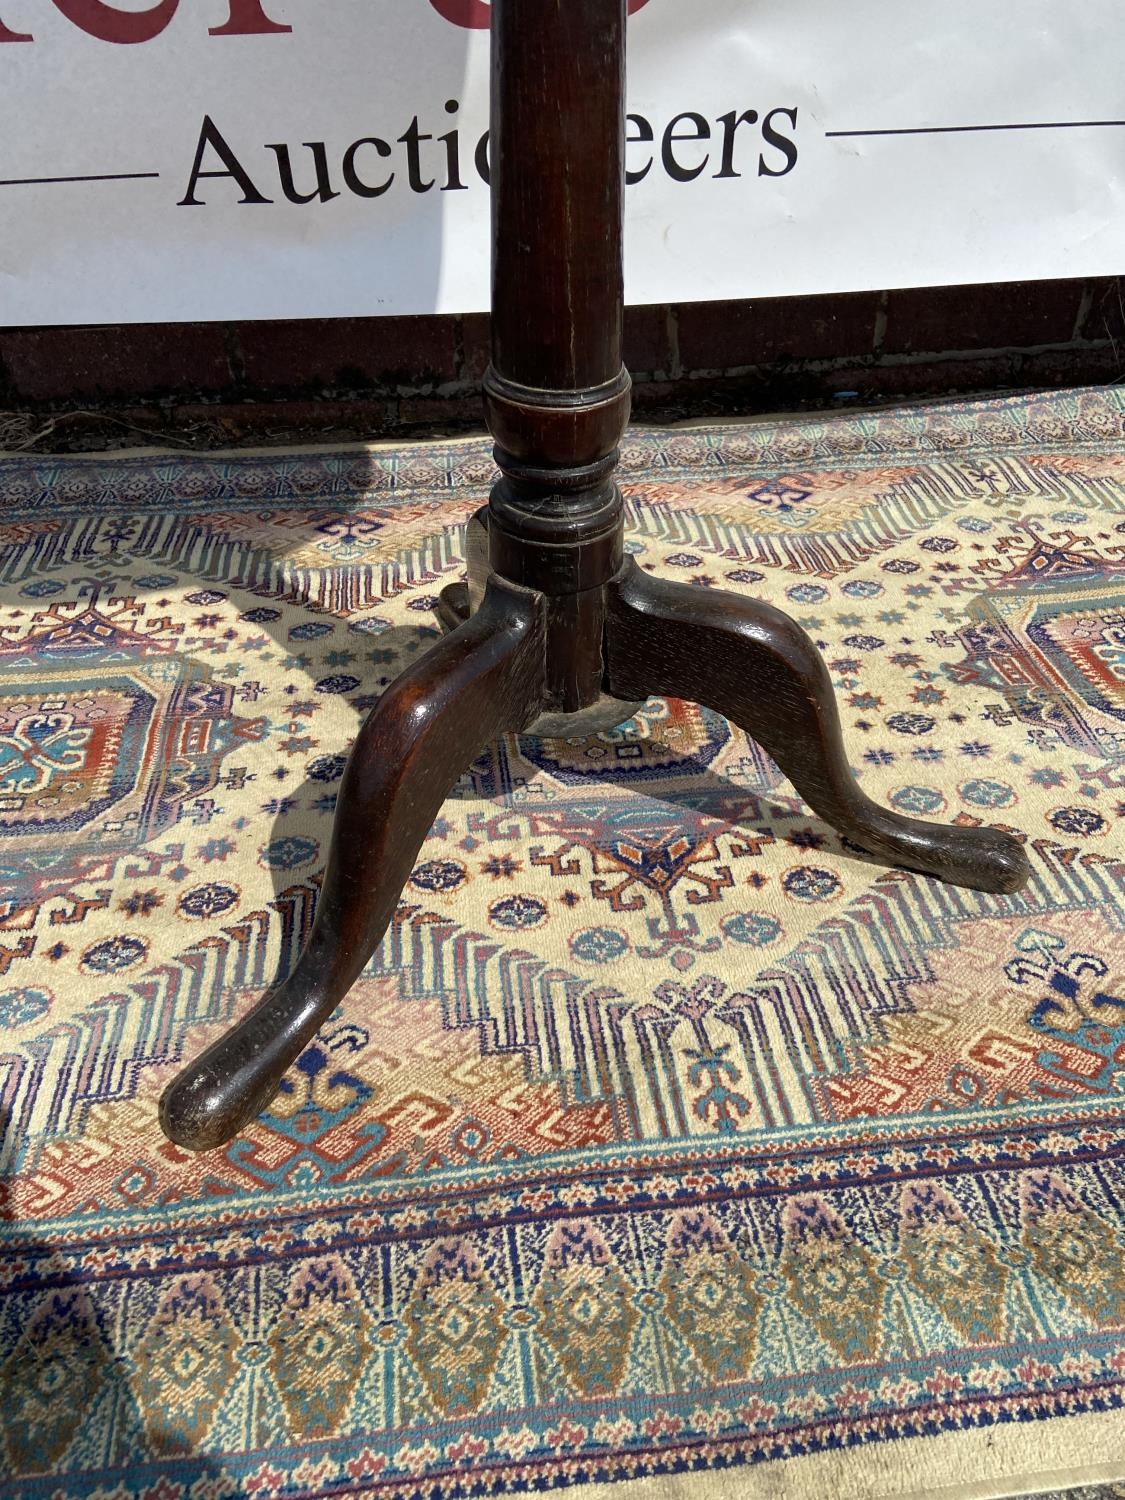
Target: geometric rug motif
[[664, 1131]]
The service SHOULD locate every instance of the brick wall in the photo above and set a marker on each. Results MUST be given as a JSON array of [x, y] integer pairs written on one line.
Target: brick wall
[[215, 383]]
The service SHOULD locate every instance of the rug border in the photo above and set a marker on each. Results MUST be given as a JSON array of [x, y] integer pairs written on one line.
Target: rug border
[[1017, 1459]]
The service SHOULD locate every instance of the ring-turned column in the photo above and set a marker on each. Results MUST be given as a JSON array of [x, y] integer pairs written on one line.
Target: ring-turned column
[[556, 393]]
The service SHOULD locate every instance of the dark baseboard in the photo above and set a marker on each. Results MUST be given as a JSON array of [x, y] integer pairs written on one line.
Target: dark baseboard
[[209, 384]]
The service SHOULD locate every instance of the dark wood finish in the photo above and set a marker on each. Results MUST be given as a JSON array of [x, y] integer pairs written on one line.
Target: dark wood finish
[[556, 393], [557, 132], [453, 607], [432, 722], [554, 625], [757, 667]]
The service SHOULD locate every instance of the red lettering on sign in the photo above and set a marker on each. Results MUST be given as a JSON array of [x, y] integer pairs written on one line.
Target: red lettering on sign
[[109, 24], [476, 15], [247, 18], [99, 19]]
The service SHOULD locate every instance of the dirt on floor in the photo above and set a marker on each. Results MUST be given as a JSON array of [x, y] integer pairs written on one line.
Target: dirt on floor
[[333, 420]]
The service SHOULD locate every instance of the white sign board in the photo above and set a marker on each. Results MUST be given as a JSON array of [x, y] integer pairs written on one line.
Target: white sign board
[[221, 159]]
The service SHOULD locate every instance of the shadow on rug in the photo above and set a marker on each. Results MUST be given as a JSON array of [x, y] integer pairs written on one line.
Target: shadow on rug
[[663, 1134]]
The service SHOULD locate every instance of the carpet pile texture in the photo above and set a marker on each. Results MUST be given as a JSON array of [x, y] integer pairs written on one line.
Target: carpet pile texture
[[665, 1138]]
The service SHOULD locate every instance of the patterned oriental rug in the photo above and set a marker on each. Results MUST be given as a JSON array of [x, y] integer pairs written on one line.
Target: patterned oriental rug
[[665, 1139]]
